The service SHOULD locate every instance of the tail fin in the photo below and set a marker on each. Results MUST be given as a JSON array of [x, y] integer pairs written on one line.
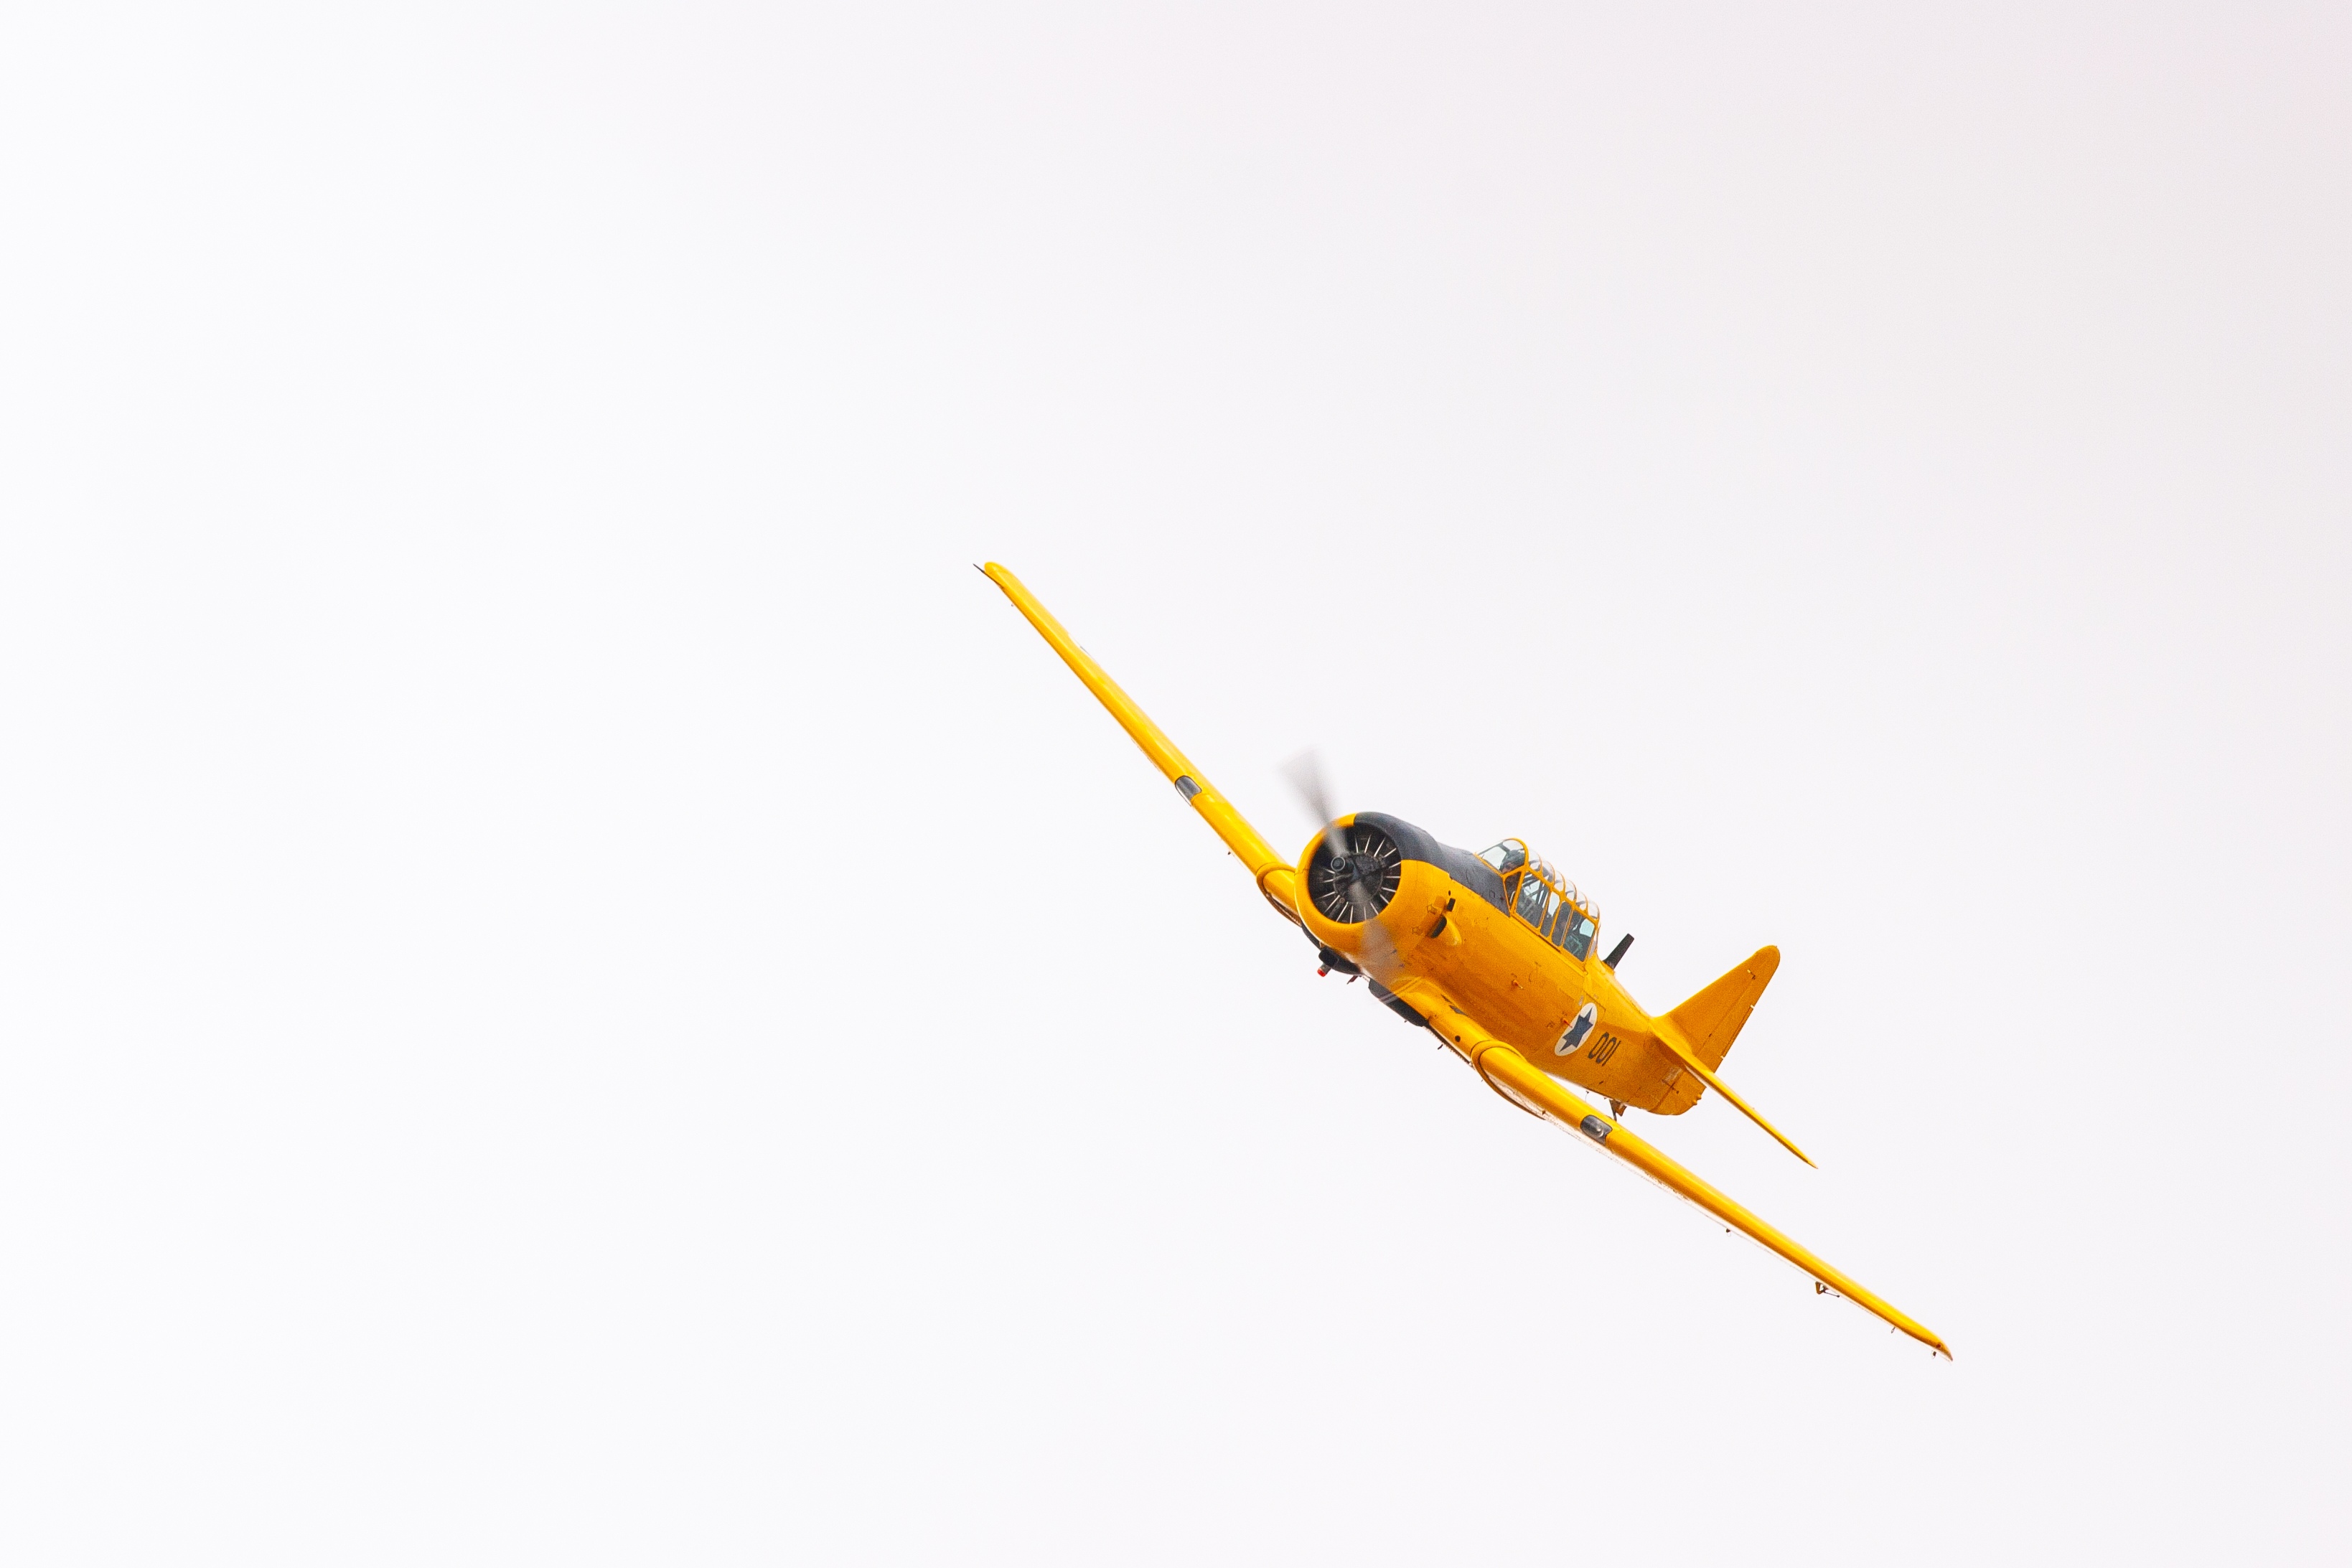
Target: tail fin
[[1712, 1019], [1699, 1034]]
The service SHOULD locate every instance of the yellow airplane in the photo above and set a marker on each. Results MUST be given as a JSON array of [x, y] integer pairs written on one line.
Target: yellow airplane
[[1492, 954]]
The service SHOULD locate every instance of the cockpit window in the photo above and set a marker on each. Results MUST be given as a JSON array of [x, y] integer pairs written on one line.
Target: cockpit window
[[1545, 899], [1536, 902], [1505, 857], [1576, 932]]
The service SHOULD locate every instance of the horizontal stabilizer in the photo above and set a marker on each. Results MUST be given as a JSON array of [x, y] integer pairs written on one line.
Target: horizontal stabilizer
[[1700, 1033], [1689, 1058]]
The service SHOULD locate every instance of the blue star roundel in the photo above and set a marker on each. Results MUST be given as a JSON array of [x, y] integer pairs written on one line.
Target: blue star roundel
[[1577, 1031]]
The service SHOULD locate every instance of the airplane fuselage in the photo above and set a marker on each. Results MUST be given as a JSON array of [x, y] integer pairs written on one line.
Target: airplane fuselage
[[1450, 925]]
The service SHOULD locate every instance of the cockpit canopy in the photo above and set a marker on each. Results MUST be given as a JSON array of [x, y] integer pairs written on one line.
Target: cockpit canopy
[[1544, 899]]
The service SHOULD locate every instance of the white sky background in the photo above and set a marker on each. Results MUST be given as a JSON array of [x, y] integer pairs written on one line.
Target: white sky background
[[574, 987]]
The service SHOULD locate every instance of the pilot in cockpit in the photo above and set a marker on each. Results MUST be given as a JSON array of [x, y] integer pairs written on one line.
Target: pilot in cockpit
[[1543, 898]]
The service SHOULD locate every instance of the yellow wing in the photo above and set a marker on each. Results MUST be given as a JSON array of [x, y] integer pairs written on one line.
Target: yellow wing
[[1277, 878], [1518, 1080]]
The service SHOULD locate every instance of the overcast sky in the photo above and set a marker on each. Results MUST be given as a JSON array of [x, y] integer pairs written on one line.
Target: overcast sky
[[575, 987]]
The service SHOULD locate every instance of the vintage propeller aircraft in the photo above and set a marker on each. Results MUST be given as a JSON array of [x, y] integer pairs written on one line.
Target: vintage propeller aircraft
[[1493, 953]]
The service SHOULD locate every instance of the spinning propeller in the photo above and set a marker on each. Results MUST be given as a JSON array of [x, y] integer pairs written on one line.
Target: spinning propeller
[[1355, 872]]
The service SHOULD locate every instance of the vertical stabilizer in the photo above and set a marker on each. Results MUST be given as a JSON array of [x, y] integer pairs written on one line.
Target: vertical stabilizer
[[1713, 1018]]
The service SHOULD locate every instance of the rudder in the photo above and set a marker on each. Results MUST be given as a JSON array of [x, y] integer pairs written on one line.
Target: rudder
[[1712, 1019]]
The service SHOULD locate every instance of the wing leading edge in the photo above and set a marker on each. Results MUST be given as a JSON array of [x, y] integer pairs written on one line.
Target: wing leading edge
[[1275, 877], [1520, 1082]]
